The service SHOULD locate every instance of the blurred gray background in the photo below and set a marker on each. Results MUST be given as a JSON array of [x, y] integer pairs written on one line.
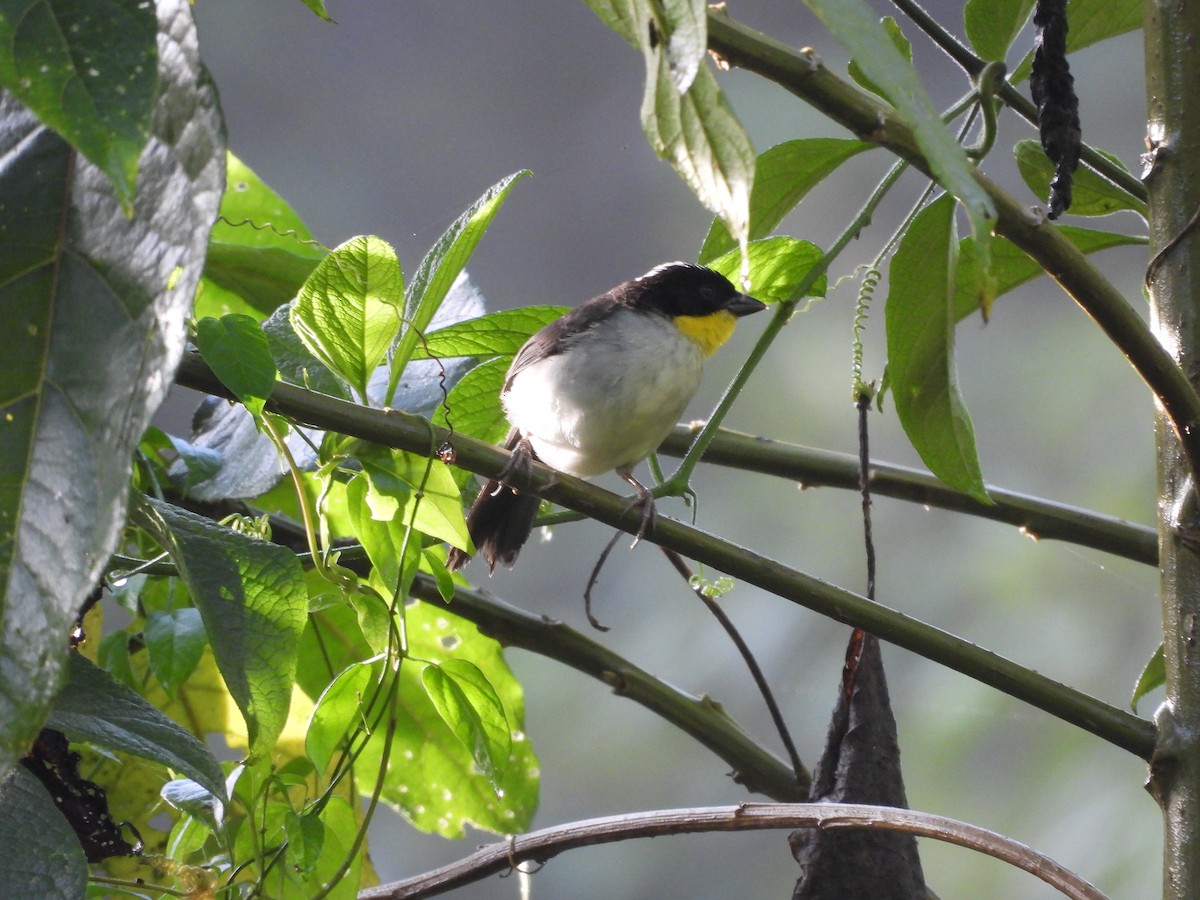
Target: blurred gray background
[[397, 117]]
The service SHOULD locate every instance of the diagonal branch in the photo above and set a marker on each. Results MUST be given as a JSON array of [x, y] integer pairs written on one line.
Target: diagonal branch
[[394, 428], [802, 74], [539, 846]]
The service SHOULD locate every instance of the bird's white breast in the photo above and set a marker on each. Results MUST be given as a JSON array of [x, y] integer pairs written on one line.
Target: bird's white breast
[[611, 398]]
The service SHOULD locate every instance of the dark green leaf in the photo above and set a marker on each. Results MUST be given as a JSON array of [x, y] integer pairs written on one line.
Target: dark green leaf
[[855, 25], [627, 18], [920, 340], [236, 349], [901, 43], [496, 334], [175, 641], [95, 707], [348, 311], [87, 69], [779, 266], [440, 269], [305, 837], [1091, 21], [260, 251], [42, 856], [1092, 195], [1154, 675], [254, 602], [992, 25], [1012, 267], [94, 319], [783, 175]]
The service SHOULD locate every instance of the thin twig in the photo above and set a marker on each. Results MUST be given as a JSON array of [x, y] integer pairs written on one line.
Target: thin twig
[[756, 672], [542, 845]]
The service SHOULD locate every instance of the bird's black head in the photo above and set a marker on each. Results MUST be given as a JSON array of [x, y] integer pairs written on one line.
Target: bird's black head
[[684, 289]]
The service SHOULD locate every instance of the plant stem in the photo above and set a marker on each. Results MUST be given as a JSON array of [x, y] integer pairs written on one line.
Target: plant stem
[[1172, 73]]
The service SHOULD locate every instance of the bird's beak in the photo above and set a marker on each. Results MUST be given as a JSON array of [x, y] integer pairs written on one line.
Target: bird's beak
[[743, 305]]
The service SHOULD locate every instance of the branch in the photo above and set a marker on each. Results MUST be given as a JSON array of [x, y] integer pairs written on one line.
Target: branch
[[702, 718], [1039, 519], [394, 428], [539, 846], [802, 74]]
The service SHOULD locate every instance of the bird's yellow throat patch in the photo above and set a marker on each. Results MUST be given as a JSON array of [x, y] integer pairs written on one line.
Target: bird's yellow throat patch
[[709, 331]]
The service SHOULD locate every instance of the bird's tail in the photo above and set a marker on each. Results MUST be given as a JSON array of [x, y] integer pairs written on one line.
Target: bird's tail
[[500, 520]]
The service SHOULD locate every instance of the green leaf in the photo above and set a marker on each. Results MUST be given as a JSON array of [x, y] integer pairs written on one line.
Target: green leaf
[[1092, 194], [496, 334], [468, 703], [1153, 675], [236, 349], [699, 134], [625, 17], [779, 266], [1091, 21], [95, 707], [254, 602], [305, 837], [260, 251], [88, 69], [855, 25], [474, 403], [318, 7], [440, 268], [175, 641], [419, 490], [783, 175], [992, 25], [341, 708], [1012, 267], [920, 340], [348, 311], [42, 856], [394, 549], [899, 41], [94, 326], [432, 777]]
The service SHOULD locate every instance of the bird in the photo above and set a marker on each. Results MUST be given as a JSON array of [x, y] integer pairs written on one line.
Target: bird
[[599, 389]]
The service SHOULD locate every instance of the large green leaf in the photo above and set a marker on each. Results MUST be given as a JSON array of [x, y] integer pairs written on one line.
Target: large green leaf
[[87, 69], [94, 306], [858, 28], [992, 25], [348, 311], [920, 340], [93, 706], [468, 703], [783, 175], [260, 251], [236, 349], [1091, 21], [779, 266], [699, 134], [42, 856], [439, 270], [254, 602], [431, 776], [474, 404]]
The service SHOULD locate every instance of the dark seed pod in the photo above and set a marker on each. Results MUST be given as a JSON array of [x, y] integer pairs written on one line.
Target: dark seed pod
[[1053, 90]]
